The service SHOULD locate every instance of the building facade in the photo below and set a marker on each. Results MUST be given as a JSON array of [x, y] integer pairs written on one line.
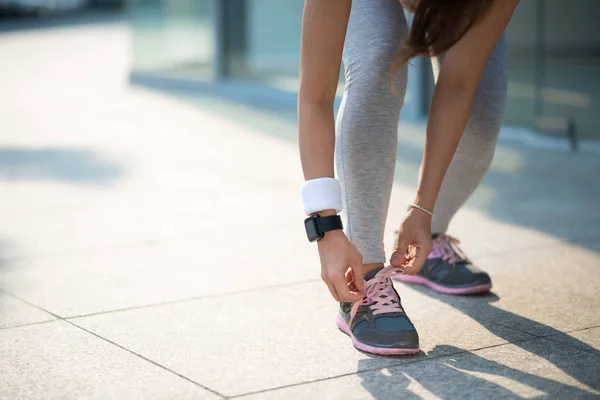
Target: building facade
[[554, 53]]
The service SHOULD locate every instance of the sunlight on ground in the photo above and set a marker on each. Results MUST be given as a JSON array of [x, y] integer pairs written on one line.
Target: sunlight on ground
[[514, 386], [519, 388], [418, 389]]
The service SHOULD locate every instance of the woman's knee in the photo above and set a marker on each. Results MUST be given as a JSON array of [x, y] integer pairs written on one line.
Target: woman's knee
[[374, 83]]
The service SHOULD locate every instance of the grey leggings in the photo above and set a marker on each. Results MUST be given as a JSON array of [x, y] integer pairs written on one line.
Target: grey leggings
[[367, 127]]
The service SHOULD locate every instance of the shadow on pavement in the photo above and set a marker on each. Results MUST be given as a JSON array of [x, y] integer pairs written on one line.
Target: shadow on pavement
[[75, 166], [463, 375], [449, 375]]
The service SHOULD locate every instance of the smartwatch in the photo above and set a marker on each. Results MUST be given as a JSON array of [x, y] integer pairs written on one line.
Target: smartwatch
[[316, 226]]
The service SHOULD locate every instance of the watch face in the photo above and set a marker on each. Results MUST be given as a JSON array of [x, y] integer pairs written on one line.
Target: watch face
[[312, 231]]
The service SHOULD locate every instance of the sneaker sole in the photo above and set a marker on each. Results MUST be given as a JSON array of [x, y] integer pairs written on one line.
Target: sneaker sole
[[443, 289], [382, 351]]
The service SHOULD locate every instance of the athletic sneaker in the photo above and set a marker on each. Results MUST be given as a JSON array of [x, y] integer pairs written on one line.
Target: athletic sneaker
[[378, 323], [448, 270]]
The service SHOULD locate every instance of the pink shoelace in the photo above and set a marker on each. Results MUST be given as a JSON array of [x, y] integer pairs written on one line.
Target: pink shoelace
[[379, 292], [446, 248]]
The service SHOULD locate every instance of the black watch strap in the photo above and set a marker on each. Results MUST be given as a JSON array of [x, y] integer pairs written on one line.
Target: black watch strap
[[316, 226], [329, 223]]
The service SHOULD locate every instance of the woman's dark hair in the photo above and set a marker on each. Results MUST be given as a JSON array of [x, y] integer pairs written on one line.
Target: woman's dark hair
[[438, 24]]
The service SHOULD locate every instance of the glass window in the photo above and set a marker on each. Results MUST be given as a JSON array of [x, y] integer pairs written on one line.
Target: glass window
[[569, 46], [273, 40], [263, 41], [522, 80], [554, 64], [173, 37]]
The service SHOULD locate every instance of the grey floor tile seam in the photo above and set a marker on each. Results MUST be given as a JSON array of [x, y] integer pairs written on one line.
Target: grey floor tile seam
[[146, 359], [399, 363], [535, 336], [512, 328], [30, 304], [194, 298], [29, 324], [486, 255], [543, 336], [550, 337], [578, 241], [581, 329], [59, 318]]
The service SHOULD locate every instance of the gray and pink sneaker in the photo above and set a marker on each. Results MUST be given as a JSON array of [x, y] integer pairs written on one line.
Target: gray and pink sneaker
[[378, 324], [448, 270]]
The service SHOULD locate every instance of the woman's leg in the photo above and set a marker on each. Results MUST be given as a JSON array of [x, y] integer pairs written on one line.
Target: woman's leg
[[367, 122], [367, 128], [447, 269], [476, 148]]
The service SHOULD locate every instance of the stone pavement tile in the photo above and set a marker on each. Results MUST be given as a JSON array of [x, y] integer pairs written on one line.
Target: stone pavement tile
[[585, 339], [536, 368], [208, 167], [14, 312], [542, 291], [182, 227], [253, 341], [59, 361], [182, 268], [546, 290]]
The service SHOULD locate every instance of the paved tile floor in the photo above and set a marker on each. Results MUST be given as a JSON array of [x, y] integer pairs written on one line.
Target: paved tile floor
[[151, 247]]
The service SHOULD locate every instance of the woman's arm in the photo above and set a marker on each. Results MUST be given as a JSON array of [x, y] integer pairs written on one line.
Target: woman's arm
[[324, 27], [453, 96], [323, 32], [450, 108]]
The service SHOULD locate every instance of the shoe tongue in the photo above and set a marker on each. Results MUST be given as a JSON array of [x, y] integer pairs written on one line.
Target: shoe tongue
[[372, 273]]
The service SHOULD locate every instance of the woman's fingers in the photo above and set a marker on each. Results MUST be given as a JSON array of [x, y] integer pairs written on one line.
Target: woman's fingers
[[341, 268], [413, 244], [352, 283], [350, 280], [419, 259], [418, 253], [422, 251], [412, 251], [398, 258], [358, 275], [331, 288], [341, 287]]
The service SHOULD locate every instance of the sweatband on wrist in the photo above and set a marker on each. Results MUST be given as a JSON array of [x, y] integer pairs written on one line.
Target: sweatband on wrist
[[321, 194]]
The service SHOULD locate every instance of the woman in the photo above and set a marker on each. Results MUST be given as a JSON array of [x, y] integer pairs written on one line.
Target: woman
[[373, 39]]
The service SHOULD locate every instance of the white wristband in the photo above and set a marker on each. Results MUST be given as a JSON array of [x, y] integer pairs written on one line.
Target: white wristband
[[321, 194]]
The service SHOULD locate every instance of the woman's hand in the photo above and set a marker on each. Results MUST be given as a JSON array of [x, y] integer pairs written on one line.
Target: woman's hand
[[341, 266], [414, 242]]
